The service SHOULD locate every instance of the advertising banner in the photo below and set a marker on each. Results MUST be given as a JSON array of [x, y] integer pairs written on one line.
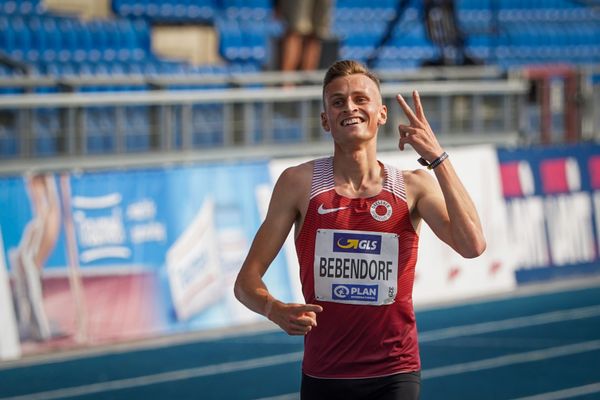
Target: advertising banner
[[100, 257], [553, 202]]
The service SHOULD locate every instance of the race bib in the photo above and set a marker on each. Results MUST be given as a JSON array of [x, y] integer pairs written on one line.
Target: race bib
[[356, 267]]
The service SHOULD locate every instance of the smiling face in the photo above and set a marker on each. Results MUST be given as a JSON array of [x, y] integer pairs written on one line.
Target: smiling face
[[352, 108]]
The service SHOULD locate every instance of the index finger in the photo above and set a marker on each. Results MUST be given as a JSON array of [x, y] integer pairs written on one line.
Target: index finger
[[407, 110], [308, 308]]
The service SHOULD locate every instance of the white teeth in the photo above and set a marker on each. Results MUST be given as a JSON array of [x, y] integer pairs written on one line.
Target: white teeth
[[351, 121]]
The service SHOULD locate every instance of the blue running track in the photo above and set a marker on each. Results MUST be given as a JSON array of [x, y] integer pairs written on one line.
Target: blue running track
[[539, 345]]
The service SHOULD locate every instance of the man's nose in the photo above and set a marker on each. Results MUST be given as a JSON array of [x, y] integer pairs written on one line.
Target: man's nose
[[350, 106]]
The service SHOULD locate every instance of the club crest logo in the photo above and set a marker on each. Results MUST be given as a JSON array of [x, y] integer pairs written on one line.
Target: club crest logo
[[381, 210]]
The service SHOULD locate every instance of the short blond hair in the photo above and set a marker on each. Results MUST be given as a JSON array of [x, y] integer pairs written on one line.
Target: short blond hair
[[346, 68]]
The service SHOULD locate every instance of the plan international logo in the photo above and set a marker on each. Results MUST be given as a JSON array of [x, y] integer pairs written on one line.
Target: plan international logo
[[356, 243], [355, 292]]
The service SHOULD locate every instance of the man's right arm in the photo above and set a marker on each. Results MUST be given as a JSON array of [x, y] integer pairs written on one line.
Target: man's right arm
[[250, 289]]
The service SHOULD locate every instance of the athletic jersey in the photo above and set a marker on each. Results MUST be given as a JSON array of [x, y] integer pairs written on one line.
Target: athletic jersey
[[357, 260]]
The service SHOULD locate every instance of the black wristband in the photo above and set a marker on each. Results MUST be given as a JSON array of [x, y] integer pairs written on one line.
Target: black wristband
[[434, 163]]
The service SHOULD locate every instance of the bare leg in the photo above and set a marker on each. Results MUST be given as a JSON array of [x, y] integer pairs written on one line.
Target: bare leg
[[37, 242], [46, 203], [312, 53], [291, 51]]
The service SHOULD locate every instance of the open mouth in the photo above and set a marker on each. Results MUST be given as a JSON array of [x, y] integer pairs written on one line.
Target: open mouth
[[352, 121]]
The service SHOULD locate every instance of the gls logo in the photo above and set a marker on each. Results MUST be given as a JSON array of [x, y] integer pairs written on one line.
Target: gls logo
[[356, 243]]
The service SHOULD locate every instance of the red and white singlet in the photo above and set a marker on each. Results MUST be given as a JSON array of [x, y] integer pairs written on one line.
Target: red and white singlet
[[357, 259]]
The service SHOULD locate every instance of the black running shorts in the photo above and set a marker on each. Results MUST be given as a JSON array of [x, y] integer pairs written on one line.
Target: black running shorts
[[404, 386]]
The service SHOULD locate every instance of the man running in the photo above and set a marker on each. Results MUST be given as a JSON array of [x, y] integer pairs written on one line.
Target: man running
[[356, 231]]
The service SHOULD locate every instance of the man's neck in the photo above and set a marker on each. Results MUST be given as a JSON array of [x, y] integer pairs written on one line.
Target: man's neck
[[357, 172]]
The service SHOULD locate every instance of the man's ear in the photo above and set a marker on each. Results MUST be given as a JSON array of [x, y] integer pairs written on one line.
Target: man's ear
[[324, 122], [382, 119]]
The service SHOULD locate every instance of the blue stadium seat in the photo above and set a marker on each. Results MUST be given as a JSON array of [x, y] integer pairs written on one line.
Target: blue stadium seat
[[101, 130], [207, 125], [47, 131], [7, 36], [230, 43], [285, 129], [52, 42], [21, 7], [9, 139], [166, 10], [22, 38], [137, 128]]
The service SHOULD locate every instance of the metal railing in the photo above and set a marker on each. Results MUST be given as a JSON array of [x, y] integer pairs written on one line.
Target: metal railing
[[463, 107]]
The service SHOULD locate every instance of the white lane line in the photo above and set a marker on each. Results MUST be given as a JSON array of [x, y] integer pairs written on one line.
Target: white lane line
[[511, 323], [557, 395], [289, 396], [428, 336], [234, 366], [511, 359], [489, 363], [566, 393]]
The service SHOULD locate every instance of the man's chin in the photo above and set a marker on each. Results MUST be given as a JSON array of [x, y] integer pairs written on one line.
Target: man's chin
[[353, 135]]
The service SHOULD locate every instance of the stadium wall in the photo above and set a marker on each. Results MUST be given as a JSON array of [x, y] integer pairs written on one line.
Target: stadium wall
[[142, 253]]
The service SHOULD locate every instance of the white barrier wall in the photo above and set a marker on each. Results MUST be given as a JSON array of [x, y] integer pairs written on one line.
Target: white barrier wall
[[444, 275], [9, 337]]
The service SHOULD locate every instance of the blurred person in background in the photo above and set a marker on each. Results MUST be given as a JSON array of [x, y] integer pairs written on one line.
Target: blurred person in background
[[357, 223], [442, 29], [307, 25], [27, 261]]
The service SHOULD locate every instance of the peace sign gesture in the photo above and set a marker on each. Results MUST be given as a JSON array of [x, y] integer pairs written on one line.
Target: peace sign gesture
[[418, 134]]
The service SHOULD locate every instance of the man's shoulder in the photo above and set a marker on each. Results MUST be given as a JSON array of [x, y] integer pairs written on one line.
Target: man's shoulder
[[416, 177], [294, 183], [418, 182], [299, 171], [297, 177], [415, 174]]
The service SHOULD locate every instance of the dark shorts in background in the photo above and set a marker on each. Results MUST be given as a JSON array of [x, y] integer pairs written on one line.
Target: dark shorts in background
[[308, 17]]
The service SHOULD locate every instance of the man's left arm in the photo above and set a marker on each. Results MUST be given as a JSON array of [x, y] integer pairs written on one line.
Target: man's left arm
[[445, 205]]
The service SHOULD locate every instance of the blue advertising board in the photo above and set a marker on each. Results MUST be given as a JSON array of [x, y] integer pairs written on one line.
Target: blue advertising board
[[553, 202], [152, 251]]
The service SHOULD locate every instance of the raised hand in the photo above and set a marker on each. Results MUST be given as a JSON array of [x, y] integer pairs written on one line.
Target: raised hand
[[419, 133]]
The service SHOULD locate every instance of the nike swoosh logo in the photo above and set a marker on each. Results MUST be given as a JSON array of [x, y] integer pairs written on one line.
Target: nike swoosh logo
[[322, 210]]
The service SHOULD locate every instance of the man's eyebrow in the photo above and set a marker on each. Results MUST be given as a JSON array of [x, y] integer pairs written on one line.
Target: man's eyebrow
[[343, 94]]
